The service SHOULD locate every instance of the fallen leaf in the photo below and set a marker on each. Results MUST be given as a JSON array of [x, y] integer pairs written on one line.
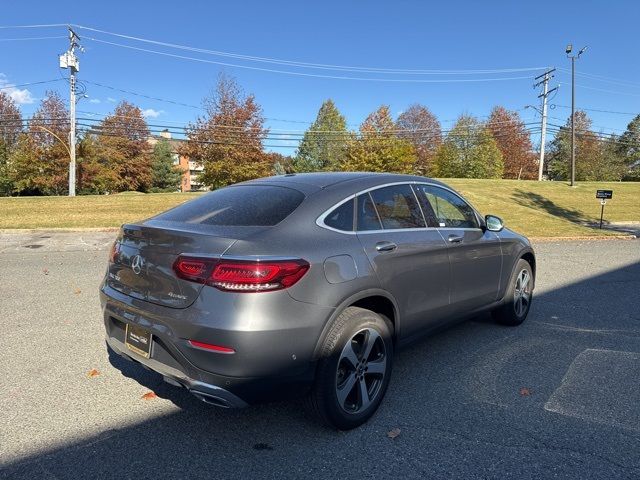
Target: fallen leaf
[[262, 446], [525, 392], [149, 396], [393, 433], [77, 291], [93, 373]]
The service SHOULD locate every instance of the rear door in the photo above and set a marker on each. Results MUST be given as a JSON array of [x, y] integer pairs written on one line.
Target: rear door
[[410, 259], [475, 253]]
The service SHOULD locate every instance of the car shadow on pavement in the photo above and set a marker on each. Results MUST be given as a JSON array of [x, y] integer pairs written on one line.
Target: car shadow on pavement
[[470, 402]]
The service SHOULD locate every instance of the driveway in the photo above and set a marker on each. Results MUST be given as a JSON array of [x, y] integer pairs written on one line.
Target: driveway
[[556, 397]]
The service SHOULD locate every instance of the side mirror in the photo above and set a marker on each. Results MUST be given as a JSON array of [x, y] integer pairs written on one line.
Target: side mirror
[[494, 224]]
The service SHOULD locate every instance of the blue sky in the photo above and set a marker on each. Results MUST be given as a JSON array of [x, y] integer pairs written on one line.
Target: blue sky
[[394, 34]]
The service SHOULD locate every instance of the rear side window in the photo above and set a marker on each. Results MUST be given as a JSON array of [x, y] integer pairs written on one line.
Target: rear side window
[[341, 218], [242, 205], [397, 207]]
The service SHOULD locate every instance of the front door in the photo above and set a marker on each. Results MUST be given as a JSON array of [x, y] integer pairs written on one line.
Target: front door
[[475, 253], [410, 260]]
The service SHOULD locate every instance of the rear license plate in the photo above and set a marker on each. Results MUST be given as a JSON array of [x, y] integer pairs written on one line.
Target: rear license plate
[[138, 339]]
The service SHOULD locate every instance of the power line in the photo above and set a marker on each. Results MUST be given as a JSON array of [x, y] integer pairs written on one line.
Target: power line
[[18, 39], [48, 25], [191, 125], [598, 136], [307, 122], [95, 129], [609, 91], [312, 65], [601, 78], [601, 111], [10, 86], [304, 74], [595, 126], [142, 95]]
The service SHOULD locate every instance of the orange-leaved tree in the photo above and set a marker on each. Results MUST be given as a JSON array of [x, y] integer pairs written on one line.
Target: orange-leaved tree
[[228, 139], [40, 162], [10, 129], [121, 156], [513, 140], [421, 127]]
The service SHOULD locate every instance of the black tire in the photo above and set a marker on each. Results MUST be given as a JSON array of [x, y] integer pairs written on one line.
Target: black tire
[[510, 313], [352, 332]]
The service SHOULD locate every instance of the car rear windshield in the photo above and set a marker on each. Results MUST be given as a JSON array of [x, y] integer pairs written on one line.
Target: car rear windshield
[[242, 205]]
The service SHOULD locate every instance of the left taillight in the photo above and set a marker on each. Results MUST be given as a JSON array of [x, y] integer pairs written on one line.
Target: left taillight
[[241, 275], [113, 253]]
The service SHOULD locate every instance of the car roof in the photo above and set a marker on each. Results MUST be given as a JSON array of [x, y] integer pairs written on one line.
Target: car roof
[[322, 180]]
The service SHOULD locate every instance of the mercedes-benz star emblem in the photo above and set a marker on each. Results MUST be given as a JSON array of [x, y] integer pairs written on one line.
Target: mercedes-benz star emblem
[[137, 263]]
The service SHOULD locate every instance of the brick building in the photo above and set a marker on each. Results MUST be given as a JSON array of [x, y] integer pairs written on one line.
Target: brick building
[[191, 169]]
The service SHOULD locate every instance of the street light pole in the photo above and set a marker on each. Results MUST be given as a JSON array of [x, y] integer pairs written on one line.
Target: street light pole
[[573, 109], [573, 121]]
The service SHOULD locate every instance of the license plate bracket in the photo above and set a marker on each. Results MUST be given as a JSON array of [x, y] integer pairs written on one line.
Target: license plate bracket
[[138, 340]]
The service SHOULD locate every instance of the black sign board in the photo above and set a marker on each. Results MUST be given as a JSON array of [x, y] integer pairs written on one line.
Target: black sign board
[[604, 193]]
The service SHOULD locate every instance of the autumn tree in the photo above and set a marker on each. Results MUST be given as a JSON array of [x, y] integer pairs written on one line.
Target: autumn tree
[[95, 175], [165, 176], [377, 148], [629, 149], [421, 127], [10, 129], [228, 139], [324, 144], [595, 157], [468, 151], [514, 142], [123, 150], [40, 161]]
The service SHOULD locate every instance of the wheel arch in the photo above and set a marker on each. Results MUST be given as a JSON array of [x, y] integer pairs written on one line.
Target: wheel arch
[[377, 300], [530, 258]]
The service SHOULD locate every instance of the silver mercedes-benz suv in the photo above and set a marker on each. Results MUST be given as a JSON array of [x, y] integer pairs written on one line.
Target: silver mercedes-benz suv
[[306, 284]]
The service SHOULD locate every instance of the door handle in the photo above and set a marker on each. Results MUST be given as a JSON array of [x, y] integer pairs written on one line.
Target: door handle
[[386, 246], [455, 239]]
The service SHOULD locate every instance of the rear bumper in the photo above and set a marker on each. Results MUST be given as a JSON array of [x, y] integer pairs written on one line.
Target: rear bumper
[[206, 392], [274, 337]]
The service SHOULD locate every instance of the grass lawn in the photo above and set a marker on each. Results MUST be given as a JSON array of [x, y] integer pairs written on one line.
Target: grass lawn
[[537, 209], [551, 209]]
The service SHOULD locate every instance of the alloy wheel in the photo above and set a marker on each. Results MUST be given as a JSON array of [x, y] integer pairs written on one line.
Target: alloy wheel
[[522, 294], [361, 370]]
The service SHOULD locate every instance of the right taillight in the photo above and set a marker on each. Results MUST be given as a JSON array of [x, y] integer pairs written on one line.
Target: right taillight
[[241, 275]]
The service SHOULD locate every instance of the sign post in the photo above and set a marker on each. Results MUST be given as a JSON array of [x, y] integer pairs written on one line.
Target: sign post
[[603, 195]]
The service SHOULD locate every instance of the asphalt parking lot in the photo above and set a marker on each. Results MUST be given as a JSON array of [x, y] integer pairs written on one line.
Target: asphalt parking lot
[[556, 397]]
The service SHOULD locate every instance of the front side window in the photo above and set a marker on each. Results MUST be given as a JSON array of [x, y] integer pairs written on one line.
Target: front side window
[[445, 209], [397, 207]]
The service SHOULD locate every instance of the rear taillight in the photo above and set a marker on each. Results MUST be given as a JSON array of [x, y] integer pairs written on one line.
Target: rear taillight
[[113, 253], [241, 275]]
